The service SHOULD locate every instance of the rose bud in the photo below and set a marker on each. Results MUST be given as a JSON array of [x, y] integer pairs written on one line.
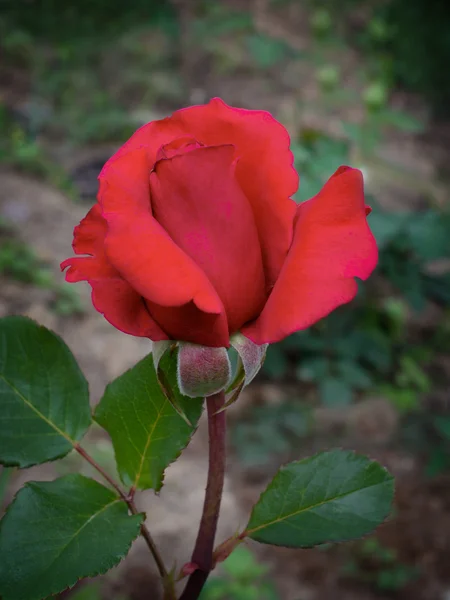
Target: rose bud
[[195, 236]]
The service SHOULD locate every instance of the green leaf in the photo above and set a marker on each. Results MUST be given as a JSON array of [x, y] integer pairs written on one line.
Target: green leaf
[[411, 373], [266, 51], [332, 496], [242, 565], [402, 121], [377, 349], [354, 131], [354, 375], [276, 363], [335, 392], [405, 400], [438, 288], [442, 424], [313, 368], [309, 187], [146, 431], [44, 399], [438, 462], [386, 226], [57, 532], [428, 235], [326, 155]]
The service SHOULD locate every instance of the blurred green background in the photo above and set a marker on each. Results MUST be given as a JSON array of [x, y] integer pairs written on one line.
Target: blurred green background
[[360, 82]]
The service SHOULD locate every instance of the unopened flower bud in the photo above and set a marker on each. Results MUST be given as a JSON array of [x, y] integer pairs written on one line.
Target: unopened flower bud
[[201, 370]]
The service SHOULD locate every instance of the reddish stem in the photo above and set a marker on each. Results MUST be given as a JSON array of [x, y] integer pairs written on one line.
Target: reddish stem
[[204, 546]]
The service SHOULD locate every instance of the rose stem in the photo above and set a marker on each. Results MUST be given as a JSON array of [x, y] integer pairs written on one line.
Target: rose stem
[[132, 507], [202, 556]]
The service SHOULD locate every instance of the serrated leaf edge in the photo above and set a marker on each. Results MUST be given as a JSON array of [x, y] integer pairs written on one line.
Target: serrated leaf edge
[[22, 465], [160, 482], [390, 480], [90, 574]]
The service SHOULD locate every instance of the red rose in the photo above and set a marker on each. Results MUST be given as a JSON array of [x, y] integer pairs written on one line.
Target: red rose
[[195, 235]]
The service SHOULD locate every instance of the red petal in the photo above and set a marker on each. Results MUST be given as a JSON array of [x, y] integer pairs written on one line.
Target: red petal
[[264, 171], [190, 324], [84, 268], [114, 298], [138, 246], [332, 245], [196, 199], [125, 309], [88, 238]]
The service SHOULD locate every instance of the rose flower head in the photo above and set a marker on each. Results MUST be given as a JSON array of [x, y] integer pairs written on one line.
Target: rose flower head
[[195, 236]]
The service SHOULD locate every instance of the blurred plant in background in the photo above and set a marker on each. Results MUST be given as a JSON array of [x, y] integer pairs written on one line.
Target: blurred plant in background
[[242, 578], [374, 563], [18, 262]]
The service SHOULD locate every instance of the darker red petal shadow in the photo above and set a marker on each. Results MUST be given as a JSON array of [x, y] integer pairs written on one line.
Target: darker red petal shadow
[[190, 324], [113, 297], [139, 248], [332, 245], [198, 202]]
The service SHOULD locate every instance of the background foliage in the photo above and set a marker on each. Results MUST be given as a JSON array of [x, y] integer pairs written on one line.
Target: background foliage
[[74, 78]]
